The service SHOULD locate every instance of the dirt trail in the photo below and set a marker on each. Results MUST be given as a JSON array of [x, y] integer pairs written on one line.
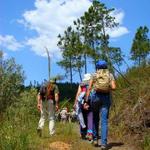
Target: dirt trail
[[59, 146], [112, 146], [78, 144]]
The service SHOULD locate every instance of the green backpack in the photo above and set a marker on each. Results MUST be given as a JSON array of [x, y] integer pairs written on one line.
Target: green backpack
[[102, 80]]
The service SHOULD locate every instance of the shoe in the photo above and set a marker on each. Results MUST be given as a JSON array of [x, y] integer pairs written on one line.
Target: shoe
[[83, 137], [89, 136], [95, 142], [39, 132], [52, 134], [104, 147]]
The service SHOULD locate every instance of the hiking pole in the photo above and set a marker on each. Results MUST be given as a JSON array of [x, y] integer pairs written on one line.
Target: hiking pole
[[122, 75]]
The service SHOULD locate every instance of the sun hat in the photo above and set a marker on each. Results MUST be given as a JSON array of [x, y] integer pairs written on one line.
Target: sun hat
[[86, 77], [52, 80], [101, 64]]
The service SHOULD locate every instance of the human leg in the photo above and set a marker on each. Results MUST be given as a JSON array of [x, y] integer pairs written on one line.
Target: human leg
[[83, 131], [80, 115], [43, 116], [90, 125], [104, 125], [51, 111], [95, 103], [42, 119]]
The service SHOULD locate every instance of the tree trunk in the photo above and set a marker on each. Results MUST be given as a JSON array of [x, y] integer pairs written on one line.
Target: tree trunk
[[49, 63], [79, 70], [85, 63], [71, 72]]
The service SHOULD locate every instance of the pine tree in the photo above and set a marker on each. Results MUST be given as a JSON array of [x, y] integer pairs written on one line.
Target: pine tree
[[140, 46]]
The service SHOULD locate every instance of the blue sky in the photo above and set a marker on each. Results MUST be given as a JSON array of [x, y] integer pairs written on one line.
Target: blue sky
[[27, 26]]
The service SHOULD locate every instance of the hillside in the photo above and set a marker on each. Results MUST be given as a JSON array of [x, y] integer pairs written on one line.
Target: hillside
[[130, 114], [129, 120]]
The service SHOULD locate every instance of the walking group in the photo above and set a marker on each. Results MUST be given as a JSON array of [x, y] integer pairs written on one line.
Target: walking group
[[92, 104]]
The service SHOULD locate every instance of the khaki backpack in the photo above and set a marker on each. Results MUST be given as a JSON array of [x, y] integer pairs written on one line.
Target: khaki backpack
[[50, 91], [102, 80]]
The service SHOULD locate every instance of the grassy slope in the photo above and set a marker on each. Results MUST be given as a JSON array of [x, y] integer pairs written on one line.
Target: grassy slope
[[18, 128], [18, 124], [130, 105]]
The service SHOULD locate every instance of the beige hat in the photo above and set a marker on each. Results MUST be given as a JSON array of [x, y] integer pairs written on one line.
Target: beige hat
[[52, 80], [86, 77]]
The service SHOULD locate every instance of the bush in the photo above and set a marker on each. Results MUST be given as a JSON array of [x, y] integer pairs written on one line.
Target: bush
[[18, 122], [11, 79]]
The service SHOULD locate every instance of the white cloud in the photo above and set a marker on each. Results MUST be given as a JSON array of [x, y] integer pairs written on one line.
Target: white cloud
[[5, 55], [119, 16], [120, 30], [117, 32], [48, 19], [9, 42], [39, 45], [51, 17]]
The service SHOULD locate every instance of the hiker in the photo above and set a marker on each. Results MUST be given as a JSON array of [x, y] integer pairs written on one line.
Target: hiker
[[81, 108], [64, 114], [103, 83], [57, 115], [72, 115], [48, 99]]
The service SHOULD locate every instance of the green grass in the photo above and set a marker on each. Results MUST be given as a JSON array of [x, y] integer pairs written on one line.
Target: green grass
[[19, 122], [67, 133], [19, 133], [146, 143]]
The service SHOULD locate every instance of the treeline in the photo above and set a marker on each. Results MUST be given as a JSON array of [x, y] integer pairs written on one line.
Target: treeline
[[12, 84], [88, 38], [67, 90]]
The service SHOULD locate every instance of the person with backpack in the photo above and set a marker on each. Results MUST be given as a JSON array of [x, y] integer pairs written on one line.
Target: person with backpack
[[83, 109], [48, 100], [103, 83]]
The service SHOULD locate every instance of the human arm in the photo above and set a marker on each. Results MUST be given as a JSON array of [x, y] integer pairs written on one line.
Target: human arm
[[112, 83], [39, 102], [89, 90], [56, 94], [57, 100], [77, 94]]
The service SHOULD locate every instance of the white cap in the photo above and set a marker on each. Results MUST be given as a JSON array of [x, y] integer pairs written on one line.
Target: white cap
[[87, 77]]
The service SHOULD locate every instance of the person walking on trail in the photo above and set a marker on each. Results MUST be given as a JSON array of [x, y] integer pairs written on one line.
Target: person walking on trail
[[48, 99], [103, 83], [73, 116], [82, 108], [64, 115]]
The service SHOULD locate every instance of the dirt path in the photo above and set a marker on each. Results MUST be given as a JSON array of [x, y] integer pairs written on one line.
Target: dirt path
[[73, 142], [59, 146], [111, 146], [116, 145]]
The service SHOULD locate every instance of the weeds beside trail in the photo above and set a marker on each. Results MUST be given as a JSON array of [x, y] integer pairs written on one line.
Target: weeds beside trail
[[20, 134], [67, 138], [18, 131]]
